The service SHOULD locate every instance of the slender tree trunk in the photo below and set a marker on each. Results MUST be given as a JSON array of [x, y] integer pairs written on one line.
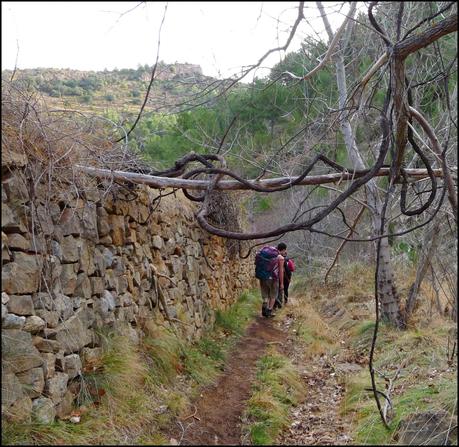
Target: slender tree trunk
[[389, 298], [430, 241], [436, 288]]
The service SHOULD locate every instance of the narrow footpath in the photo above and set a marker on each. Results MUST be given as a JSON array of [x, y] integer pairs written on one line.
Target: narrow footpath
[[216, 419]]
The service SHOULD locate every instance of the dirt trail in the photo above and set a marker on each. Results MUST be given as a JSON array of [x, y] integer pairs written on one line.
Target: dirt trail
[[220, 407], [316, 421]]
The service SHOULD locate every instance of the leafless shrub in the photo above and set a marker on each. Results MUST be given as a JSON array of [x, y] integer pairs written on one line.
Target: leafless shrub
[[50, 143]]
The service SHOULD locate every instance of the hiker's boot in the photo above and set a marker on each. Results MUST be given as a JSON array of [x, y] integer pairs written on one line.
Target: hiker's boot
[[264, 310], [270, 313]]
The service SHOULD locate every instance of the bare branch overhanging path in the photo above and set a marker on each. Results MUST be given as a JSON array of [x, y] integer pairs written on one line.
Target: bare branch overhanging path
[[233, 185]]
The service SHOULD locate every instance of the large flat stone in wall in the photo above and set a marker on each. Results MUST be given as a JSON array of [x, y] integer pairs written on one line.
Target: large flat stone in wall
[[49, 366], [69, 222], [18, 352], [119, 267], [21, 276], [10, 221], [107, 257], [56, 387], [33, 381], [72, 365], [89, 221], [74, 333], [99, 262], [21, 305], [64, 408], [16, 405], [123, 284], [192, 266], [131, 237], [46, 345], [45, 220], [43, 300], [63, 306], [16, 190], [97, 285], [11, 321], [56, 249], [106, 303], [117, 229], [18, 242], [103, 225], [83, 286], [70, 249], [177, 267], [11, 388], [51, 318], [68, 278], [34, 324], [157, 242], [87, 259]]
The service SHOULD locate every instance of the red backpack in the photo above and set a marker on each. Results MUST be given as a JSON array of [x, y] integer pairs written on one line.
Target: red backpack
[[291, 265]]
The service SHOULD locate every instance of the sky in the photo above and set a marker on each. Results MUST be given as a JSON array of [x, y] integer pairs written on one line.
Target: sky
[[221, 37]]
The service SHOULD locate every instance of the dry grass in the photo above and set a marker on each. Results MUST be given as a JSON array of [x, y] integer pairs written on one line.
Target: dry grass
[[428, 378], [311, 329], [125, 412]]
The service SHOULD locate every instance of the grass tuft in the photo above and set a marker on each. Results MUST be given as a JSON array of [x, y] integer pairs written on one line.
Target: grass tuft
[[277, 388]]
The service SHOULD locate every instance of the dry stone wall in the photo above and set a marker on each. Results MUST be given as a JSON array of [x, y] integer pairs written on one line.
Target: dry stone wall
[[73, 266]]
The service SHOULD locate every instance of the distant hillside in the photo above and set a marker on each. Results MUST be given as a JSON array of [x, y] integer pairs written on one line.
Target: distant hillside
[[122, 90]]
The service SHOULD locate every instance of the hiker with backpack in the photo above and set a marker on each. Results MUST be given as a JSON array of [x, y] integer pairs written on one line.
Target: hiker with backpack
[[289, 268], [269, 269]]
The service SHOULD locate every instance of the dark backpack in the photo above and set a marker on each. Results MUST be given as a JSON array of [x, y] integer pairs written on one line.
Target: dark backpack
[[266, 264]]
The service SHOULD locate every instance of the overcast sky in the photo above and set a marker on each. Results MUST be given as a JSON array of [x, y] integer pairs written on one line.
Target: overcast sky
[[221, 37]]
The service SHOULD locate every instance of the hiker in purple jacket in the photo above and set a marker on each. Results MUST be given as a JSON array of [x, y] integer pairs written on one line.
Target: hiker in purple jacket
[[269, 269]]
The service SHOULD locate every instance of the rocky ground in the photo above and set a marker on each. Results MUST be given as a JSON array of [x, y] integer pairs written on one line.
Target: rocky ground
[[315, 421]]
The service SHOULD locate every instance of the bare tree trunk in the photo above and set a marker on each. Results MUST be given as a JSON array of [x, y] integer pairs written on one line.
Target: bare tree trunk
[[430, 241], [436, 288], [389, 298], [340, 248], [454, 303]]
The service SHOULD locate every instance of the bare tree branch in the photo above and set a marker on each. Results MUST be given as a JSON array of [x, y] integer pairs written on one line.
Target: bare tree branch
[[266, 185], [153, 74], [340, 248]]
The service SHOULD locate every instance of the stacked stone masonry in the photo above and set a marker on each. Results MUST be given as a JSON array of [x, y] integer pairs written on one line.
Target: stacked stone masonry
[[71, 267]]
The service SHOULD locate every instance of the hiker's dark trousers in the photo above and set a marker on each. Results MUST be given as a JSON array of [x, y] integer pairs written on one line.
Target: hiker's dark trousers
[[286, 284]]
